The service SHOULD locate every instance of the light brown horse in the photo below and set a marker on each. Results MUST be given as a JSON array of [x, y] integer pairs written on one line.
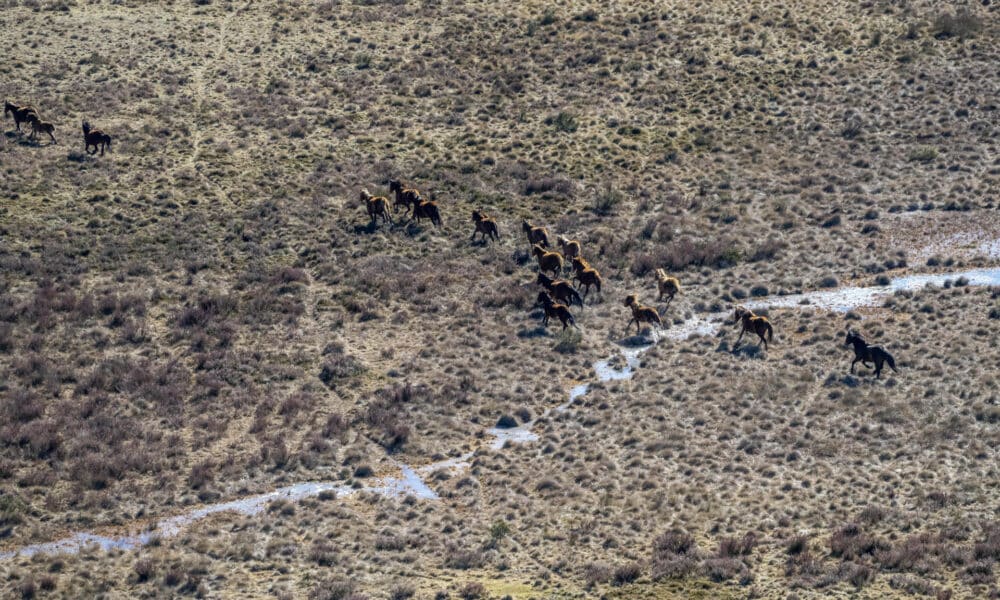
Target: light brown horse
[[570, 248], [377, 206], [96, 138], [641, 314], [547, 261], [751, 322], [485, 225], [586, 275], [536, 235], [667, 285]]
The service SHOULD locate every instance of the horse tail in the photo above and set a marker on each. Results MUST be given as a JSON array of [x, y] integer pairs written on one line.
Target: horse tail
[[577, 298], [770, 332], [892, 363]]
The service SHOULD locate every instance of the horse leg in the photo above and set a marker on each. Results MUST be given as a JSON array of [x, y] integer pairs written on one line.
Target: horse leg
[[739, 338], [856, 359], [761, 336]]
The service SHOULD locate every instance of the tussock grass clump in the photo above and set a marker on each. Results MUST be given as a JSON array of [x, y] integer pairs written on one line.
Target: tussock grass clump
[[961, 23], [675, 555]]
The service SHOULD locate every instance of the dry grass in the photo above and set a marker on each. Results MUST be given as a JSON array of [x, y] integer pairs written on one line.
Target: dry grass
[[204, 312]]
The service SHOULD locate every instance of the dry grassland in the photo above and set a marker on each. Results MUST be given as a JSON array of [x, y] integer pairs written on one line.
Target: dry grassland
[[205, 313]]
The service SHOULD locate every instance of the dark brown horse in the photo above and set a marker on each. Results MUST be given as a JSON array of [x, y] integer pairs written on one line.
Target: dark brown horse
[[95, 138], [554, 309], [426, 209], [405, 197], [868, 354], [21, 114], [560, 289], [751, 322]]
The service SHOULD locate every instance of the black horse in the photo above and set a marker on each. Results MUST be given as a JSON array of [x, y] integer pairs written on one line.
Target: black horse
[[868, 354]]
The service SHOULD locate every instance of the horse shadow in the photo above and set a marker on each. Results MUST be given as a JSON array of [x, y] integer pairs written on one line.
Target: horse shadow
[[645, 338], [743, 350], [535, 332], [367, 229]]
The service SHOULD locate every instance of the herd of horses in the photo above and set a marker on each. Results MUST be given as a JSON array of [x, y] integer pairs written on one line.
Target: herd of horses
[[29, 114], [558, 296]]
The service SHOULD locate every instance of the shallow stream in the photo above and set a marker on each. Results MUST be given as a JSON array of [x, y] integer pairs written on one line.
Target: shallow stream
[[410, 481]]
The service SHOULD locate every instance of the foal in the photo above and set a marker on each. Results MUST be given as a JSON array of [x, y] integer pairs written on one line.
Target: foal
[[751, 322], [868, 354], [38, 125], [95, 138], [641, 314]]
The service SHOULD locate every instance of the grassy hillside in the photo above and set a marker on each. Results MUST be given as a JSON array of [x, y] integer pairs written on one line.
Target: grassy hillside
[[205, 313]]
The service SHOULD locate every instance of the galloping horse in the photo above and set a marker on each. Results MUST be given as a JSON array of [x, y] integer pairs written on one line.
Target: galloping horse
[[95, 138], [868, 354], [751, 322], [405, 197], [377, 206], [641, 314], [21, 114], [485, 225], [554, 309]]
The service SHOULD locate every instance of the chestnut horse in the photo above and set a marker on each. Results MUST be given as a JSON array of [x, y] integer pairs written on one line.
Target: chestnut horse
[[751, 322]]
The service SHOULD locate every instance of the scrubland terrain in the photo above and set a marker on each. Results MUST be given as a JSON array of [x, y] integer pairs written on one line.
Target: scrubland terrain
[[205, 313]]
